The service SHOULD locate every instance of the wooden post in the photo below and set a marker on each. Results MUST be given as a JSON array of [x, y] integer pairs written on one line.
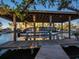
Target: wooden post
[[25, 24], [34, 18], [62, 29], [42, 24], [53, 24], [43, 30], [53, 28], [14, 22], [69, 27], [26, 32], [50, 31]]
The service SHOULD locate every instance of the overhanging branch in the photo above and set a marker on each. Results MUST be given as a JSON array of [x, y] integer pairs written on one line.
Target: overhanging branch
[[73, 9], [31, 1]]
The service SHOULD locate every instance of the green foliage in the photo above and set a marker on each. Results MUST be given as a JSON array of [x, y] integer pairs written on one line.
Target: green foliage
[[13, 1], [61, 3], [26, 4]]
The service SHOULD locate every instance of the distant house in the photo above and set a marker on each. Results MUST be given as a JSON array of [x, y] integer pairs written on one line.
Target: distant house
[[6, 30], [53, 29]]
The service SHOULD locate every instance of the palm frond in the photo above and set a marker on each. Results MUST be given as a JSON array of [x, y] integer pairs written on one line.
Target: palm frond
[[64, 4]]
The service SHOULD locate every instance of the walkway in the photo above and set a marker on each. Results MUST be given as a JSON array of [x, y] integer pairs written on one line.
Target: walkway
[[51, 52]]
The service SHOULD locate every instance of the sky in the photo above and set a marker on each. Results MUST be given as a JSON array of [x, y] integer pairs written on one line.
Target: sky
[[4, 22], [38, 7]]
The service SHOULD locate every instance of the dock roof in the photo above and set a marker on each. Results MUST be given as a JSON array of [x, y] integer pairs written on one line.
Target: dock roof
[[43, 16]]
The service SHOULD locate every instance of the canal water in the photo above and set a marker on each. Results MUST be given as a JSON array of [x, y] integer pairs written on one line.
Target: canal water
[[9, 37], [6, 37]]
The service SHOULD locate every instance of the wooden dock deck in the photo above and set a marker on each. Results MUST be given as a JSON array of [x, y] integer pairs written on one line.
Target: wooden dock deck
[[16, 45], [51, 52], [42, 43], [50, 49]]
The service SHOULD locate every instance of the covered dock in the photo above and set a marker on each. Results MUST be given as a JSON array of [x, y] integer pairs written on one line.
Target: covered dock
[[50, 17], [43, 16]]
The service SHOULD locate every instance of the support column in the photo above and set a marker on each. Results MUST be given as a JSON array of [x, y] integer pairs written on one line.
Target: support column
[[69, 27], [26, 32], [25, 24], [42, 24], [53, 28], [62, 29], [50, 31], [34, 18], [14, 22], [53, 25], [43, 30]]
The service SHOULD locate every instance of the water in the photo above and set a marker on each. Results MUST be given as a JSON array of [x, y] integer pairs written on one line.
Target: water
[[72, 51], [6, 37], [9, 37]]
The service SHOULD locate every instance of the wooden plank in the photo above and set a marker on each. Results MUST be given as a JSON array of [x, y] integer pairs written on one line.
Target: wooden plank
[[67, 41], [15, 44], [60, 42], [51, 52]]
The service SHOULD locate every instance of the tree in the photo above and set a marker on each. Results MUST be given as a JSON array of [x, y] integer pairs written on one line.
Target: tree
[[24, 6], [10, 26], [62, 4]]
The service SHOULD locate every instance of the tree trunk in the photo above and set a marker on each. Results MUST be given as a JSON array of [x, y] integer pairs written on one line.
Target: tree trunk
[[14, 22]]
